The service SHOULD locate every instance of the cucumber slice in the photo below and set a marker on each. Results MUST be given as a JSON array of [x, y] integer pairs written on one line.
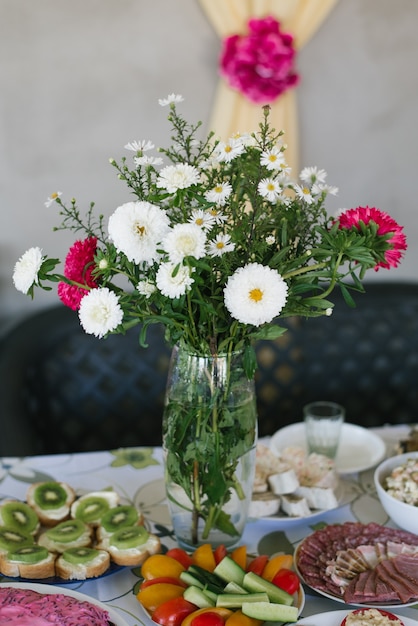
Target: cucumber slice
[[232, 587], [236, 600], [191, 580], [253, 583], [197, 596], [270, 612], [229, 571]]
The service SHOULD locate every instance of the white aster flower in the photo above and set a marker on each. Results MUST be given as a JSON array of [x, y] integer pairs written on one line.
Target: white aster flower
[[220, 245], [136, 228], [146, 288], [318, 188], [255, 294], [202, 218], [147, 160], [184, 240], [100, 312], [52, 198], [140, 146], [312, 175], [304, 193], [26, 269], [269, 188], [217, 215], [225, 152], [173, 280], [270, 240], [172, 98], [328, 311], [219, 194], [273, 159], [245, 138], [179, 176]]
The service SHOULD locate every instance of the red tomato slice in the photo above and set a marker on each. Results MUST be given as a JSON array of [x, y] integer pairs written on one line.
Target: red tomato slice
[[287, 580], [208, 619], [163, 579], [181, 556], [258, 564], [219, 553], [173, 612]]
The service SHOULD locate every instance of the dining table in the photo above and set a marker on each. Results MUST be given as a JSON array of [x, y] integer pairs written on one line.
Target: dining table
[[137, 474]]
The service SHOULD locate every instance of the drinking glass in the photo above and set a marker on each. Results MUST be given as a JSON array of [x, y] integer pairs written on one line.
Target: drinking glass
[[323, 422]]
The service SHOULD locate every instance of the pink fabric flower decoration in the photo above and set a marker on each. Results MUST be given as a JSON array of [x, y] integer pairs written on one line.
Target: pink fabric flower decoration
[[79, 265], [260, 64], [386, 224]]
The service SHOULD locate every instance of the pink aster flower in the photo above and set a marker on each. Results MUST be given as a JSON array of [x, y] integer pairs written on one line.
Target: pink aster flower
[[260, 64], [386, 224], [79, 265]]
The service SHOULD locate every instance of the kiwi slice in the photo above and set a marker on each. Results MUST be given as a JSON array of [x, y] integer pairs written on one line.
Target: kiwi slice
[[12, 538], [127, 538], [67, 531], [28, 554], [91, 509], [119, 517], [79, 555], [50, 495], [19, 515]]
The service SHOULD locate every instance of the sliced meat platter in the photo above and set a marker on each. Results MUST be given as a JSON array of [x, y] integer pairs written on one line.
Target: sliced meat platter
[[361, 563]]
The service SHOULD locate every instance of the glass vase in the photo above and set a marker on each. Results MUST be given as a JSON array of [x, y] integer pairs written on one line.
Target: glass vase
[[209, 443]]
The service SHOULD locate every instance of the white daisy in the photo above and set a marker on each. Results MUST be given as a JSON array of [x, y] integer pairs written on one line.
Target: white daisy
[[312, 175], [304, 193], [225, 152], [146, 288], [140, 146], [184, 240], [52, 198], [270, 240], [202, 218], [172, 98], [180, 176], [26, 269], [136, 228], [100, 312], [147, 160], [318, 188], [245, 138], [273, 159], [173, 280], [217, 215], [269, 188], [220, 245], [255, 294], [219, 194]]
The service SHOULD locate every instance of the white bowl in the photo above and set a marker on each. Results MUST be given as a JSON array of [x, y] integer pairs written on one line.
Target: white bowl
[[404, 515]]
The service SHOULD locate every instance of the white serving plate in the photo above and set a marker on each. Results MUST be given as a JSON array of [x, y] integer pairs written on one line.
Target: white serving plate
[[334, 618], [113, 615], [360, 449]]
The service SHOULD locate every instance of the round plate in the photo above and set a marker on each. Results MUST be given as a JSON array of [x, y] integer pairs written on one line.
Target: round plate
[[360, 448], [338, 598], [334, 618], [113, 615]]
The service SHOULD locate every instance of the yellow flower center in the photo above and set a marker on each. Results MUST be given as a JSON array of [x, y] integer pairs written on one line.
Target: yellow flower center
[[272, 158], [199, 221], [256, 294], [271, 187], [54, 195], [220, 245], [218, 189], [228, 149], [140, 230]]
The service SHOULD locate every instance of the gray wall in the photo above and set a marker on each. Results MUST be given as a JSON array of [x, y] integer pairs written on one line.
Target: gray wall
[[80, 79]]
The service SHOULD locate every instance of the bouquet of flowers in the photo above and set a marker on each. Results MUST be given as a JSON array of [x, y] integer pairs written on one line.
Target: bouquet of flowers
[[218, 244]]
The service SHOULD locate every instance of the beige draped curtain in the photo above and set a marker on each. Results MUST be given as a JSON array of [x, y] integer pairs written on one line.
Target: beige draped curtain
[[232, 112]]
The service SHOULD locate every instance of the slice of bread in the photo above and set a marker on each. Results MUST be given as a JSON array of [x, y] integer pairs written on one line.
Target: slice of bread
[[82, 536], [97, 563], [49, 508], [135, 555], [44, 568]]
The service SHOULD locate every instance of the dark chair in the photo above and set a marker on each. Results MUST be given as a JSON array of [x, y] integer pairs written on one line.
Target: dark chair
[[62, 390], [364, 358]]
